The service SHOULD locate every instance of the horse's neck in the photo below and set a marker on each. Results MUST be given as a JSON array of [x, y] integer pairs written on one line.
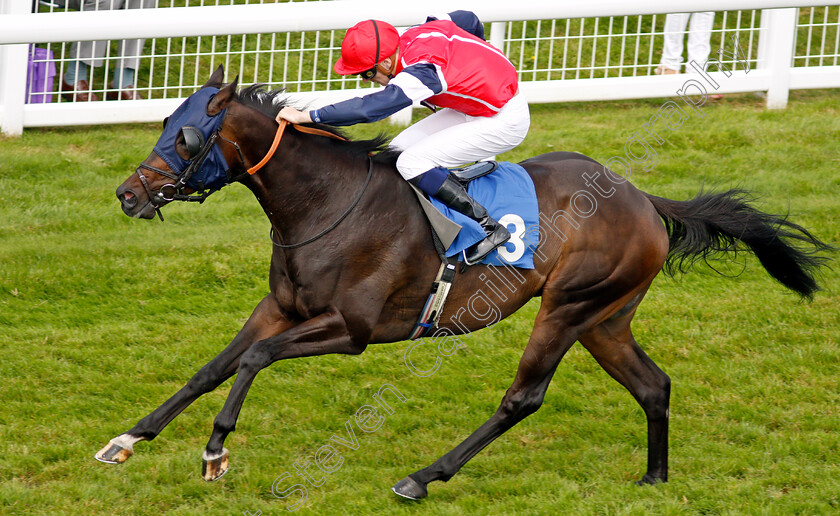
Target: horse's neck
[[310, 182], [307, 189], [308, 185]]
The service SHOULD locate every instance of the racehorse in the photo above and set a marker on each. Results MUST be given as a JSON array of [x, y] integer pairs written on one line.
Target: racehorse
[[353, 263]]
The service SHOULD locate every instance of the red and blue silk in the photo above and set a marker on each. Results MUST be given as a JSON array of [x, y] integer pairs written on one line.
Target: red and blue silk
[[447, 63]]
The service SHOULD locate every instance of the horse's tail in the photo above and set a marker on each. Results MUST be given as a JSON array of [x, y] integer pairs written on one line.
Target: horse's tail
[[715, 222]]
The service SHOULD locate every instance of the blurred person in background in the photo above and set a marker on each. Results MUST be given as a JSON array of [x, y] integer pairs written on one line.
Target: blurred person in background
[[85, 54], [699, 36]]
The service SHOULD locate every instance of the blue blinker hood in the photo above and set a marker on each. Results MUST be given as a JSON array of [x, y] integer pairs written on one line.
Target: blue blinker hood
[[212, 173]]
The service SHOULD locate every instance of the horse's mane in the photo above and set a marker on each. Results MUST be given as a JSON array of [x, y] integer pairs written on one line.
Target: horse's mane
[[270, 102]]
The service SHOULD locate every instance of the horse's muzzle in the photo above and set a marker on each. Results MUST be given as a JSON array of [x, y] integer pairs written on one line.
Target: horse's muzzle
[[128, 199], [131, 205]]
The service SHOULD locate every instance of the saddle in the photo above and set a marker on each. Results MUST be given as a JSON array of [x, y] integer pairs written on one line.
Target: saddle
[[466, 174]]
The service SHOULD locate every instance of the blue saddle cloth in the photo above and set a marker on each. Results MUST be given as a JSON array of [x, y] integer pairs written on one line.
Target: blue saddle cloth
[[509, 196]]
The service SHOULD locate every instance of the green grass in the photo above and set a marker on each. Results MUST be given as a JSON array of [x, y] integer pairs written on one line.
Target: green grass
[[103, 317]]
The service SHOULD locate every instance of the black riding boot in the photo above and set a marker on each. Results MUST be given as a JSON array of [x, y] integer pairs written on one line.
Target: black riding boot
[[453, 194]]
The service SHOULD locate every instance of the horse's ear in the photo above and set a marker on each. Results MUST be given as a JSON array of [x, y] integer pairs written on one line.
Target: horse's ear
[[223, 98], [217, 79]]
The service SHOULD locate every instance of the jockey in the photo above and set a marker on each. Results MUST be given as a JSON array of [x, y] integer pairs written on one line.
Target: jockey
[[446, 63]]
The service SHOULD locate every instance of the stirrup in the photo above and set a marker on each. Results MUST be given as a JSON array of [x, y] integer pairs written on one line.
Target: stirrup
[[466, 260]]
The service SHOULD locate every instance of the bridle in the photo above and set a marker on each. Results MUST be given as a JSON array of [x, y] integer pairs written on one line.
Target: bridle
[[199, 149]]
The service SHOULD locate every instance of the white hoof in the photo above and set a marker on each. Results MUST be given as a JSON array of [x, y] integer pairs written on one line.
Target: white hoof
[[215, 467]]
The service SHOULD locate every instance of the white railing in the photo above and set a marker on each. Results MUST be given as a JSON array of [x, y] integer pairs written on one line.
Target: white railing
[[565, 51]]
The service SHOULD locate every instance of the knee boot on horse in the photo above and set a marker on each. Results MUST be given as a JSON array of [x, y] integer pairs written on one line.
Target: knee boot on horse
[[441, 185]]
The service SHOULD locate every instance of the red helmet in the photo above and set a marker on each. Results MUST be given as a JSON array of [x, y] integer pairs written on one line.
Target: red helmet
[[366, 44]]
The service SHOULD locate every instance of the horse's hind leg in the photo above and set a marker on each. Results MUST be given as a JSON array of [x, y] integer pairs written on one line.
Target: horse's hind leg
[[549, 341], [264, 322], [613, 346]]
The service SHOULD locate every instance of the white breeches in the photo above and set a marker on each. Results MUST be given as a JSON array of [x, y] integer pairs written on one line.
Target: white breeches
[[699, 34], [451, 139]]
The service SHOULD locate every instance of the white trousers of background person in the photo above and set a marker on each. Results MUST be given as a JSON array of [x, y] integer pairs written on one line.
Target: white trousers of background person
[[93, 52], [699, 36], [451, 139]]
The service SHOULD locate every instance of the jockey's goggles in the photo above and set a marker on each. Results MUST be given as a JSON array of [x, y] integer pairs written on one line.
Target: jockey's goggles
[[368, 74]]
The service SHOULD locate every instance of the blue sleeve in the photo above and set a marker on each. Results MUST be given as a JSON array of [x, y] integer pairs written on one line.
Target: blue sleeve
[[466, 20], [418, 81], [368, 108]]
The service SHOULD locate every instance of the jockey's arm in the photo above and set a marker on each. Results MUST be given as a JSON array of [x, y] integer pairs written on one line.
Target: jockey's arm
[[413, 84]]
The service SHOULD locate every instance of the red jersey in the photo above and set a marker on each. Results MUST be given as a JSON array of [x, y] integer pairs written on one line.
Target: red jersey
[[479, 79]]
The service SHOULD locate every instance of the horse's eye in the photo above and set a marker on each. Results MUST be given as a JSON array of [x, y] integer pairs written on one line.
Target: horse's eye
[[165, 120]]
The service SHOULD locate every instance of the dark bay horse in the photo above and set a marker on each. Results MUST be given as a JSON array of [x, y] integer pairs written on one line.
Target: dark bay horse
[[366, 281]]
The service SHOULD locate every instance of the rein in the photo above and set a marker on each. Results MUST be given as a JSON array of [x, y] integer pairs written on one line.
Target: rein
[[175, 191], [279, 135], [274, 144], [334, 224]]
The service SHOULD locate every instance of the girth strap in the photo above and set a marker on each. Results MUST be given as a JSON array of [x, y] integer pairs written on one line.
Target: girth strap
[[433, 309]]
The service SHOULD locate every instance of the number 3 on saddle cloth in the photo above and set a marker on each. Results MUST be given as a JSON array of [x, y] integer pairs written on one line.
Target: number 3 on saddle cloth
[[509, 196]]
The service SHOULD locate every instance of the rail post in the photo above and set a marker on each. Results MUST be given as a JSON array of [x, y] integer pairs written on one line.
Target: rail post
[[13, 62], [777, 48]]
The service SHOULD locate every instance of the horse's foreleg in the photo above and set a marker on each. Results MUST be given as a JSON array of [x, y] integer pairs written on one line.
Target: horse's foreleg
[[549, 341], [321, 335], [613, 346], [264, 322]]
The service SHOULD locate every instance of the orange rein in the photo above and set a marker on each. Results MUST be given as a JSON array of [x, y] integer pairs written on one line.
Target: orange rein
[[279, 135]]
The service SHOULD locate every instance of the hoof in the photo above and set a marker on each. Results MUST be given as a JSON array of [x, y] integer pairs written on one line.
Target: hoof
[[410, 488], [649, 480], [215, 468], [113, 454]]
